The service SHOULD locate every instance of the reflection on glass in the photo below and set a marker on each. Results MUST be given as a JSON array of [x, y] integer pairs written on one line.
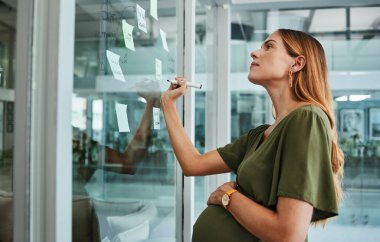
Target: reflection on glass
[[352, 57], [8, 16], [124, 184]]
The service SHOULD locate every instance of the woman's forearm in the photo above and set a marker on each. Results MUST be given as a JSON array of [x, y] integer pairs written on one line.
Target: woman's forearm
[[192, 162], [258, 220], [184, 150], [266, 224]]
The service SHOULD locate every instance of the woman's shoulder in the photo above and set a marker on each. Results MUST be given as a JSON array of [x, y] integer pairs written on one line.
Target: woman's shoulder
[[309, 113], [305, 120]]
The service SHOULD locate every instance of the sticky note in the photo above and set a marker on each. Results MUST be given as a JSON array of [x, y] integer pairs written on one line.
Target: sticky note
[[163, 38], [156, 118], [153, 9], [158, 70], [128, 37], [141, 23], [113, 60], [122, 117]]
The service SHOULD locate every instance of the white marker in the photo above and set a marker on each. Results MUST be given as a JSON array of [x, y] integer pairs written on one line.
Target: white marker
[[189, 84]]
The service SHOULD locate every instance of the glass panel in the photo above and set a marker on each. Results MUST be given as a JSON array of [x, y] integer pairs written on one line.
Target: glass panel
[[205, 102], [124, 184], [200, 190], [353, 61], [8, 16]]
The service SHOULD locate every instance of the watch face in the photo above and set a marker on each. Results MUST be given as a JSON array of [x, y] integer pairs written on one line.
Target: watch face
[[225, 200]]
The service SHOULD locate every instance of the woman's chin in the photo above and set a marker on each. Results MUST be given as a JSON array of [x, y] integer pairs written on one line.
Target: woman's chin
[[253, 80]]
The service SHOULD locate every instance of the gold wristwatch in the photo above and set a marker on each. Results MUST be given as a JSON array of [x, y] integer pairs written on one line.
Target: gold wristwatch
[[226, 197]]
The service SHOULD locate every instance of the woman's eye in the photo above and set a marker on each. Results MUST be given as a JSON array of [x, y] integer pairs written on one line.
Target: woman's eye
[[269, 46]]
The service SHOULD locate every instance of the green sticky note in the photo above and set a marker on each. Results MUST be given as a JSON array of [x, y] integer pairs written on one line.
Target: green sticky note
[[128, 37]]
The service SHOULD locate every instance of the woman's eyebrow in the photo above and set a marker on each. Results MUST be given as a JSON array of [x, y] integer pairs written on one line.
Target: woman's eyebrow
[[266, 42]]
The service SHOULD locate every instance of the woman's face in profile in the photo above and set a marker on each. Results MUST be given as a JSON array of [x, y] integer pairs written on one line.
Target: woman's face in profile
[[271, 62]]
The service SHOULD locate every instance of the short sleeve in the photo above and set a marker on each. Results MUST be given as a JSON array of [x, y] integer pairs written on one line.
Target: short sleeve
[[234, 153], [305, 169]]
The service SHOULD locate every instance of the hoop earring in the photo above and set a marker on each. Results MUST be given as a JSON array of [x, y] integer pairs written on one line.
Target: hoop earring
[[290, 78]]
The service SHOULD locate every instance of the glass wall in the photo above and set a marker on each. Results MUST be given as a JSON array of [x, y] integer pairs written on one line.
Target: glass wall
[[124, 183], [350, 37], [204, 47], [8, 15]]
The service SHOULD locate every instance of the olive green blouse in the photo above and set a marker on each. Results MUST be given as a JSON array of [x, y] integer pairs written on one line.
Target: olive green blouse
[[294, 161]]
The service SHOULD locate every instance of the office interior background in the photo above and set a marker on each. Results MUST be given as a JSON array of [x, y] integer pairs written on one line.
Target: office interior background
[[71, 72]]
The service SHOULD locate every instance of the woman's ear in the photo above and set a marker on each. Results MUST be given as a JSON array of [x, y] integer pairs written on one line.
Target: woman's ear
[[299, 63]]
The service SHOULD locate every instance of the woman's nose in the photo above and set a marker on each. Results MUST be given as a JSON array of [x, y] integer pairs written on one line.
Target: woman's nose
[[254, 54]]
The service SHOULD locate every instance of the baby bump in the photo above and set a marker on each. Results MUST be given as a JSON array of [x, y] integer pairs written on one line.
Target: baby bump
[[216, 224]]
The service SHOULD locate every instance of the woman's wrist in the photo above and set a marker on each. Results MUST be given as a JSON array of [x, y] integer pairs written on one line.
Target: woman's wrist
[[166, 102]]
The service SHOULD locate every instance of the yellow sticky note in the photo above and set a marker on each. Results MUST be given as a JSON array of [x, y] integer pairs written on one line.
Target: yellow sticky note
[[158, 70], [128, 37], [153, 9]]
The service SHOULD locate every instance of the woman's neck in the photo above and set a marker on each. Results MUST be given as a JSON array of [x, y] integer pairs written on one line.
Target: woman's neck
[[284, 103]]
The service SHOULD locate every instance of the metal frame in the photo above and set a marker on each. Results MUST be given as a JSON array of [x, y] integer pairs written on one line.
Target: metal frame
[[21, 184], [179, 174], [186, 65], [222, 86], [51, 167]]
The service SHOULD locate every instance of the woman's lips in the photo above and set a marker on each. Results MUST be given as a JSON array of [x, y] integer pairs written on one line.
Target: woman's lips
[[254, 64]]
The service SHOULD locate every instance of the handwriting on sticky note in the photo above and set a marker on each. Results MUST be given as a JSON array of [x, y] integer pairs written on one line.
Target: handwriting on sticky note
[[122, 117], [141, 22], [113, 60], [163, 39], [128, 37], [158, 70], [153, 9]]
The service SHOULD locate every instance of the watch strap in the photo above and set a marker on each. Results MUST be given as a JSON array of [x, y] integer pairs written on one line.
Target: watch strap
[[229, 193]]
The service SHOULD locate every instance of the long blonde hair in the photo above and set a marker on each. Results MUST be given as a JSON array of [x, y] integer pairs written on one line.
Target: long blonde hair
[[311, 85]]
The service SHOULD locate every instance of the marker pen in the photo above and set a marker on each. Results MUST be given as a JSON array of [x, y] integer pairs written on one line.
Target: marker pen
[[189, 84]]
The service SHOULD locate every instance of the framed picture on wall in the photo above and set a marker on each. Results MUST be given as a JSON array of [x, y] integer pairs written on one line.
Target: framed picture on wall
[[374, 123], [352, 123]]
